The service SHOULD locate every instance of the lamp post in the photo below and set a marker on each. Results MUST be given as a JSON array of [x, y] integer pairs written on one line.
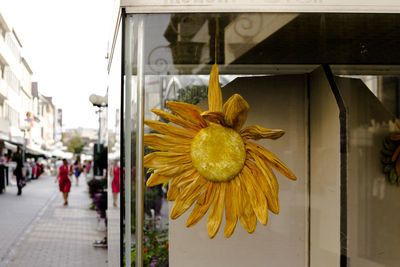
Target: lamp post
[[25, 127], [100, 102]]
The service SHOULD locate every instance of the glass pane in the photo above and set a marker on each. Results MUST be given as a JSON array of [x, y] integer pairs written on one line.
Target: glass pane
[[334, 124], [114, 159], [177, 67]]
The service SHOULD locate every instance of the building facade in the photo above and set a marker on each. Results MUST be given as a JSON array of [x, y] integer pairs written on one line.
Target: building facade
[[26, 116]]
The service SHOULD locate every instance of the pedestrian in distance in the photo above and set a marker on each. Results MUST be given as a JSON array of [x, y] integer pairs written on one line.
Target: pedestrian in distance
[[88, 166], [115, 184], [84, 168], [18, 172], [77, 169], [64, 181], [38, 169]]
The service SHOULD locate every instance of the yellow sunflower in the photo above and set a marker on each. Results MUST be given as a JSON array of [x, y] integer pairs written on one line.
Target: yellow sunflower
[[210, 161]]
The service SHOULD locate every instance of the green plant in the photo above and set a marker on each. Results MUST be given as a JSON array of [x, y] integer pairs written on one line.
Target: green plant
[[96, 185], [155, 248], [75, 145], [192, 95]]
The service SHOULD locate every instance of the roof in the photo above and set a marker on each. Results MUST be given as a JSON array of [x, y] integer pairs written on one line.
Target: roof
[[3, 23], [26, 65], [35, 91], [16, 38]]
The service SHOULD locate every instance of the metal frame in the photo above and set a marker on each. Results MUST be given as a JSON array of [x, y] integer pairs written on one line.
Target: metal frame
[[344, 261], [122, 149], [127, 133], [196, 6], [199, 6], [139, 145]]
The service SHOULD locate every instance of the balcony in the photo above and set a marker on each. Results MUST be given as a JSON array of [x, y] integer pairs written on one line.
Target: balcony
[[7, 57], [4, 129], [3, 90]]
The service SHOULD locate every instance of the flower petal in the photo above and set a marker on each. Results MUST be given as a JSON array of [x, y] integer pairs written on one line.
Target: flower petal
[[216, 211], [257, 132], [175, 170], [230, 209], [214, 91], [187, 197], [395, 137], [236, 110], [216, 117], [164, 159], [267, 155], [177, 120], [267, 181], [156, 179], [396, 154], [168, 129], [164, 174], [167, 143], [265, 171], [173, 192], [256, 196], [202, 205], [246, 215], [187, 112], [179, 183]]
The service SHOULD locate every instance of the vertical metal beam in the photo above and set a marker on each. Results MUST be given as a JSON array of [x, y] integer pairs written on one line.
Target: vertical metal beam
[[99, 136], [139, 143], [128, 131], [344, 259], [122, 149]]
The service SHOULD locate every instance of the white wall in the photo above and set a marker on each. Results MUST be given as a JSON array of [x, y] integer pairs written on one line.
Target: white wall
[[275, 102]]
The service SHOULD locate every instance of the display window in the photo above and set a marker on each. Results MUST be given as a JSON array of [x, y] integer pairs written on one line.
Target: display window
[[256, 139]]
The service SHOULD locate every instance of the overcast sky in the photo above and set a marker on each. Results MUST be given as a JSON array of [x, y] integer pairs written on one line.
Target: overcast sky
[[65, 44]]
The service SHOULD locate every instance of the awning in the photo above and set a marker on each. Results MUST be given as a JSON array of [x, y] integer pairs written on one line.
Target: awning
[[37, 151], [62, 154], [10, 146]]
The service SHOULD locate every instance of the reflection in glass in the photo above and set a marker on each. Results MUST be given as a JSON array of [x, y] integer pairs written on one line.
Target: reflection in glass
[[251, 50]]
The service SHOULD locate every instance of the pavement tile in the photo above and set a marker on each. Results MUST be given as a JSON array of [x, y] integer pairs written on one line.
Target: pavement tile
[[39, 231]]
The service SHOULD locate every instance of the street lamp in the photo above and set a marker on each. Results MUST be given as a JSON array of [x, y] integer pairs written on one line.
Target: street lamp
[[100, 102], [25, 127]]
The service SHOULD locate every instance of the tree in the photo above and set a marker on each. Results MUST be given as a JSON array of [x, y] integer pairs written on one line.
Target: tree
[[192, 95], [75, 145]]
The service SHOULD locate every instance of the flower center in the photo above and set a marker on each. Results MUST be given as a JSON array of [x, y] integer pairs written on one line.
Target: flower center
[[218, 153]]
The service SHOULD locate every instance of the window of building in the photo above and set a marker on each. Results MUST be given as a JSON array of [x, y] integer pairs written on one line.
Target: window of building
[[331, 81]]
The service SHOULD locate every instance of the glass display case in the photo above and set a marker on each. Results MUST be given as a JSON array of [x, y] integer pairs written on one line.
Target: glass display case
[[330, 80]]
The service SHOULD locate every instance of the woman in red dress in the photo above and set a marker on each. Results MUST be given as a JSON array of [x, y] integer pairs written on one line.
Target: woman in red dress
[[63, 180], [115, 182]]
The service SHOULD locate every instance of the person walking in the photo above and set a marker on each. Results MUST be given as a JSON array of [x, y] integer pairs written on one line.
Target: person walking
[[77, 169], [63, 180], [88, 167], [18, 171], [115, 184]]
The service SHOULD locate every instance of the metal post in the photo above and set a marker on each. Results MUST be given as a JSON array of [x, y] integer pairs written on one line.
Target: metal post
[[23, 149], [127, 137], [139, 144], [162, 85], [99, 135]]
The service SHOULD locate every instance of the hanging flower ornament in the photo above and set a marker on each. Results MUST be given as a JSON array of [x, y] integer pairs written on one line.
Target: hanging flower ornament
[[391, 156], [210, 160]]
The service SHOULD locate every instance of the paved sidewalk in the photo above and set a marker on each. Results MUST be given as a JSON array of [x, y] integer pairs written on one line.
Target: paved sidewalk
[[37, 230]]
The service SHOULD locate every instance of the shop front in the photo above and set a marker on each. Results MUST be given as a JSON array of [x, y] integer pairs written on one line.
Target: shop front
[[255, 133]]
